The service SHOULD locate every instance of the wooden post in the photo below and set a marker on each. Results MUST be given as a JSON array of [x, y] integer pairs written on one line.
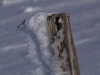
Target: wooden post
[[56, 22]]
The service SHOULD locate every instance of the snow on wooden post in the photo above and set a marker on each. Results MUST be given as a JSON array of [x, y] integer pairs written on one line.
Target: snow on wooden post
[[61, 37]]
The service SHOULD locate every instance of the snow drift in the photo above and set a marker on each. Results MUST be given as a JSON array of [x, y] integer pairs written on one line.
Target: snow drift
[[40, 49]]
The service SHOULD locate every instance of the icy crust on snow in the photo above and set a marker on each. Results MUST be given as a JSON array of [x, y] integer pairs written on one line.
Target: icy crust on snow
[[40, 50]]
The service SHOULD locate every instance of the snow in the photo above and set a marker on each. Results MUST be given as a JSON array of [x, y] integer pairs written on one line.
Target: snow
[[85, 24], [38, 71], [60, 21], [31, 9], [9, 2], [37, 26], [39, 54], [35, 0], [57, 63], [7, 48]]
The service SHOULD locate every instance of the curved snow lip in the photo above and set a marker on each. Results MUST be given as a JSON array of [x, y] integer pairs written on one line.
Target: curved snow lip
[[40, 52]]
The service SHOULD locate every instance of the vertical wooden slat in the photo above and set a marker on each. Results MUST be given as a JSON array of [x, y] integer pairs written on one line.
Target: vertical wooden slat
[[68, 44]]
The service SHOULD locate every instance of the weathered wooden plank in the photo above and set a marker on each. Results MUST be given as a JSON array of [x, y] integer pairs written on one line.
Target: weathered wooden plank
[[54, 26]]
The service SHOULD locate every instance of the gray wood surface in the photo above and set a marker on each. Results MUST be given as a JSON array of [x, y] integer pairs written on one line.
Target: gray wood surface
[[67, 44]]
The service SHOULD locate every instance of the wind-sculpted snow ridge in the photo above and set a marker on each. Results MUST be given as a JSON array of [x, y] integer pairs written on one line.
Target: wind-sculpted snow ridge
[[40, 50]]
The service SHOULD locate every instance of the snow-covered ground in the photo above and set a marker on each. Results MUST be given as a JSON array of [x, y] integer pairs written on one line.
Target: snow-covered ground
[[85, 22]]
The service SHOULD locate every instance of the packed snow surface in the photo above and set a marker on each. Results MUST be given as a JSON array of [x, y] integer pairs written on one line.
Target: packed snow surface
[[9, 2], [85, 25]]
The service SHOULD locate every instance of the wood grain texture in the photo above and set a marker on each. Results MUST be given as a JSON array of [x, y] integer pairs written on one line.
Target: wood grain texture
[[68, 43]]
